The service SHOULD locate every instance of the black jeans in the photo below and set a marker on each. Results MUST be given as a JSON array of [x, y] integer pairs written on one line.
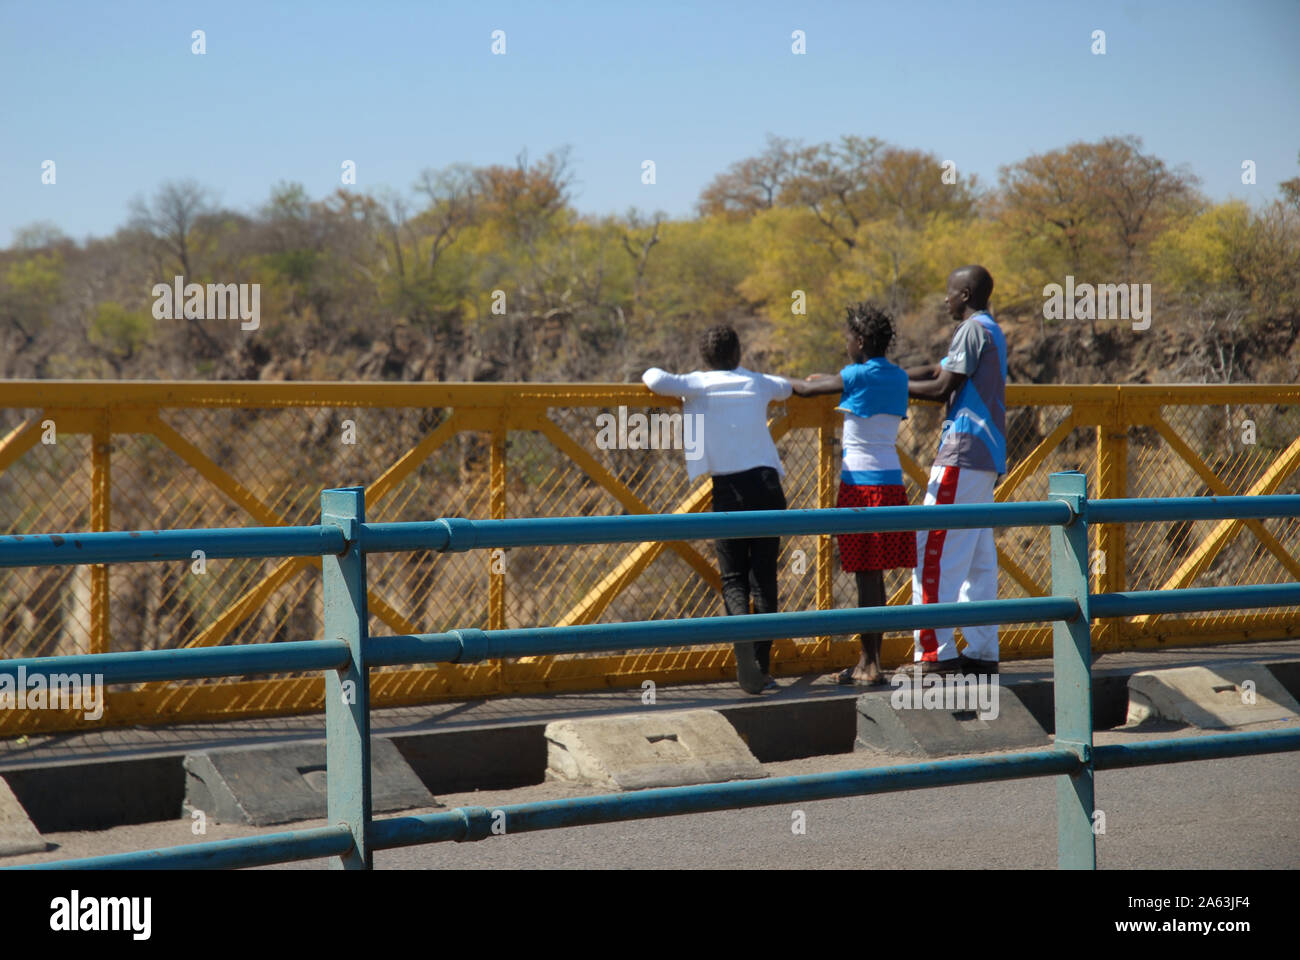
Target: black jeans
[[750, 564]]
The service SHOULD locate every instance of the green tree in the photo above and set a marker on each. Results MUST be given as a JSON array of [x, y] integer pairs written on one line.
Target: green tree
[[120, 333], [30, 288]]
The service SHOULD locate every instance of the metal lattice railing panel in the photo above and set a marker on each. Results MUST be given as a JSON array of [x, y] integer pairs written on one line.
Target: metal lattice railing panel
[[146, 456], [45, 611]]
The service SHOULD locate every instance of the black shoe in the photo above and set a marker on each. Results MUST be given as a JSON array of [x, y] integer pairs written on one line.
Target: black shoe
[[748, 675], [981, 668]]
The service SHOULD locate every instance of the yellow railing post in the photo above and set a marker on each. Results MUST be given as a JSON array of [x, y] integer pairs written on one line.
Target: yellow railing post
[[826, 473], [497, 510], [1112, 482], [497, 558], [101, 485]]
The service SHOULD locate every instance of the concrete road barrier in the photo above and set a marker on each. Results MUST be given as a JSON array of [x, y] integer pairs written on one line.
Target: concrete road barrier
[[282, 784], [668, 749], [17, 832], [1227, 696], [944, 720]]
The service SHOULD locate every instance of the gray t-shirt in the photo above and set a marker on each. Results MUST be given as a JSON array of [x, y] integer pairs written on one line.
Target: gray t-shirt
[[975, 431]]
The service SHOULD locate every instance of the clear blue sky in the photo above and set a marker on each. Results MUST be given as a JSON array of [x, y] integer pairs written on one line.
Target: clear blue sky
[[287, 91]]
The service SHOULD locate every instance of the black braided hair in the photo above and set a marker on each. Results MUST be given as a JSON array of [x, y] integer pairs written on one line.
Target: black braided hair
[[873, 325], [719, 345]]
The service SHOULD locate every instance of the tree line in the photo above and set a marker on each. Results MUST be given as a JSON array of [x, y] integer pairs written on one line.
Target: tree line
[[489, 273]]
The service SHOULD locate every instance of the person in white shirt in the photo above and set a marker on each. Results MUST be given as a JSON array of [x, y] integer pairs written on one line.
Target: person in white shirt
[[736, 450]]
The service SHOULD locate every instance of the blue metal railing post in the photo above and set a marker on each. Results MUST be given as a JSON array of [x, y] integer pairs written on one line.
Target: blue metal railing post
[[1076, 845], [347, 690]]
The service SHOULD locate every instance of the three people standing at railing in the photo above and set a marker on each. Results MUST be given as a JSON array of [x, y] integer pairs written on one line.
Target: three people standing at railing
[[962, 565], [947, 565]]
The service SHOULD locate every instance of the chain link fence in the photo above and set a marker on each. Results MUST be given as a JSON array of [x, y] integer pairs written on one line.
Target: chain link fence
[[181, 461]]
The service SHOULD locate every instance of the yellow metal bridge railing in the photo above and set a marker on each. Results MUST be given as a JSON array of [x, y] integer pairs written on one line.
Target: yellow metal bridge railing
[[84, 455]]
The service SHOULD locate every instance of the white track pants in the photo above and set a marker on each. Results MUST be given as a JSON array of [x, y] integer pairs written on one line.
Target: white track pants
[[956, 565]]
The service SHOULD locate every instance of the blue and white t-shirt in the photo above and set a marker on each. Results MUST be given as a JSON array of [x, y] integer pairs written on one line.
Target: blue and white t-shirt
[[975, 433], [874, 402]]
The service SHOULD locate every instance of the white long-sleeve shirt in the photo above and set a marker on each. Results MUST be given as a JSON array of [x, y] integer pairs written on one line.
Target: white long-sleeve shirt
[[729, 408]]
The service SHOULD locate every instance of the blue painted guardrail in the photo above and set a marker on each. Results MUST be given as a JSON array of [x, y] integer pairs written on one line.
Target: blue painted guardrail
[[343, 539]]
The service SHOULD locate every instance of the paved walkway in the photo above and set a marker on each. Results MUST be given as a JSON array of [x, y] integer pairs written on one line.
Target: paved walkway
[[125, 742]]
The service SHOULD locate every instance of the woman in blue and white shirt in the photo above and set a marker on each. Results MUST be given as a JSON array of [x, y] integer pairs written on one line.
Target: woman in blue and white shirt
[[874, 400]]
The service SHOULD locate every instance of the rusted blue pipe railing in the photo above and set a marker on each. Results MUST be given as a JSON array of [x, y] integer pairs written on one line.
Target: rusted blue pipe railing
[[343, 539]]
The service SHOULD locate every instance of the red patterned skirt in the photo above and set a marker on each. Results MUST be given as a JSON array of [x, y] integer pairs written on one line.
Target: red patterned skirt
[[875, 551]]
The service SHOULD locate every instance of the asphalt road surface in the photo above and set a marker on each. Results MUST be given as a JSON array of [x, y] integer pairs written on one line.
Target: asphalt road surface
[[1218, 814]]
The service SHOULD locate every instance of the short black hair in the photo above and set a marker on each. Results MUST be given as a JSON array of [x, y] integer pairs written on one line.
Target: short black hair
[[720, 347], [979, 282], [870, 322]]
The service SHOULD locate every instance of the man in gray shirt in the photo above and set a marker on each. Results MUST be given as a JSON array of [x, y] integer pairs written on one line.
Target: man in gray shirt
[[962, 565]]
